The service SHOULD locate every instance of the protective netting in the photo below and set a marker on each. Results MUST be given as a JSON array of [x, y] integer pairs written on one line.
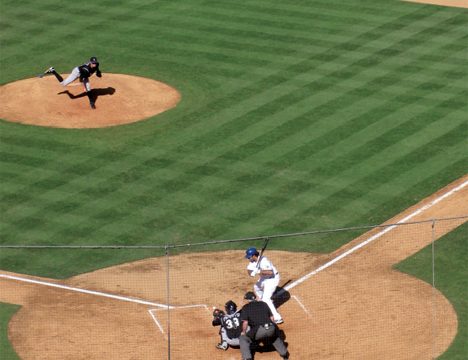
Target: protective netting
[[376, 292]]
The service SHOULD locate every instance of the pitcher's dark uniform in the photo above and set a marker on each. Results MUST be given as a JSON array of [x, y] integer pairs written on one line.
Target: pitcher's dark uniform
[[83, 72]]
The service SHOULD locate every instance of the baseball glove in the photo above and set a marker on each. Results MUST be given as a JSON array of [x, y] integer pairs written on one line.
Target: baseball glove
[[217, 313]]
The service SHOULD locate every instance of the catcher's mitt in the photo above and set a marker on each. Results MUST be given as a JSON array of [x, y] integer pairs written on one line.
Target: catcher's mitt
[[217, 313]]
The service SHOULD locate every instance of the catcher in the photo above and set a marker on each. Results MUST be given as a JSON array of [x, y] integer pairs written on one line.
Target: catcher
[[230, 325]]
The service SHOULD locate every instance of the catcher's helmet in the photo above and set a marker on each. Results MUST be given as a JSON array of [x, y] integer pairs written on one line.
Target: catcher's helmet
[[230, 307], [251, 252]]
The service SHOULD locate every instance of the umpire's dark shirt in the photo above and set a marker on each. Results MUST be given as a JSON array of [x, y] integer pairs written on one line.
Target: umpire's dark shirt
[[256, 313]]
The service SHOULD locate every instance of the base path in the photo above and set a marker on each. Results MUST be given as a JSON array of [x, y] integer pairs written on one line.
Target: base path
[[357, 308], [121, 99]]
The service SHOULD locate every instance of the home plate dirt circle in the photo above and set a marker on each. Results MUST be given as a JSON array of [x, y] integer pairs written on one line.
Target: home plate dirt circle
[[359, 308], [121, 99]]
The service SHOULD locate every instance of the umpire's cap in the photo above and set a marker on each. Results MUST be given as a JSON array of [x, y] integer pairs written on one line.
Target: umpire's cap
[[249, 295]]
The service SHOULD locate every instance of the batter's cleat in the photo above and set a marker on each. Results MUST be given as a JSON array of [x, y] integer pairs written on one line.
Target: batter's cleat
[[279, 321], [222, 346]]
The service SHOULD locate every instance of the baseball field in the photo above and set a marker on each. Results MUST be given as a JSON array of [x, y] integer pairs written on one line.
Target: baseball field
[[221, 123]]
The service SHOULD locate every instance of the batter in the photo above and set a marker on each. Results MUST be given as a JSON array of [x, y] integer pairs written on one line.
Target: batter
[[268, 281]]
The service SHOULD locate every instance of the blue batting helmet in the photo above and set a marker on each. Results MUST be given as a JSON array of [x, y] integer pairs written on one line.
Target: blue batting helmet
[[251, 252]]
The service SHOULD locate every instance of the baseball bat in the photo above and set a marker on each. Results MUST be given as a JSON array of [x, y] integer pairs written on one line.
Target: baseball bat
[[265, 244]]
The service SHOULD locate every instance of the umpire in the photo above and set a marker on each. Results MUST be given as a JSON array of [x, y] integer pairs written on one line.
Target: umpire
[[258, 325]]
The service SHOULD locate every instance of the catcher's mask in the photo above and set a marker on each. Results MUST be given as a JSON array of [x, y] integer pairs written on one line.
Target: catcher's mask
[[230, 307]]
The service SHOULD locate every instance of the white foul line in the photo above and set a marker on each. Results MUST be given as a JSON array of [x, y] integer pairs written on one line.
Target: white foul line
[[90, 292], [288, 287], [376, 236], [116, 297]]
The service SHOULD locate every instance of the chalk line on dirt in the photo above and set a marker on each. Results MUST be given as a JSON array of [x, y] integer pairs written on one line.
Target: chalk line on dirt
[[153, 314], [376, 236], [286, 288], [84, 291]]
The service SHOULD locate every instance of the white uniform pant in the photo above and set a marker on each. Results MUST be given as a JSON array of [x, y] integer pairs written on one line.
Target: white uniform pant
[[75, 74], [225, 338], [264, 289]]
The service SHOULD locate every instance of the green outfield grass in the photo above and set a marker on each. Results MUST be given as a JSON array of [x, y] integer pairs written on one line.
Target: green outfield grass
[[6, 311], [451, 276], [295, 115]]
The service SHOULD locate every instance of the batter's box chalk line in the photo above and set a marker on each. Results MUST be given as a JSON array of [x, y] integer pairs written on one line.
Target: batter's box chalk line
[[153, 312], [161, 307], [301, 305]]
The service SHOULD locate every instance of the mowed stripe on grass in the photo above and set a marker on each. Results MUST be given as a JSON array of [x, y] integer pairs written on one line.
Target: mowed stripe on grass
[[301, 114]]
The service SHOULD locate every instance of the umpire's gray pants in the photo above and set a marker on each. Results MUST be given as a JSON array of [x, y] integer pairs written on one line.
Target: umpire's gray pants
[[263, 334]]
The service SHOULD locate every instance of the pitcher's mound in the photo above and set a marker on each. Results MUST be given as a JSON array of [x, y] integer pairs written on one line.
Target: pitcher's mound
[[120, 99]]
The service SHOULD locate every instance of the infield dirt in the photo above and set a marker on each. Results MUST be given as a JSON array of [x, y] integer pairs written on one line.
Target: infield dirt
[[359, 308], [452, 3], [121, 99]]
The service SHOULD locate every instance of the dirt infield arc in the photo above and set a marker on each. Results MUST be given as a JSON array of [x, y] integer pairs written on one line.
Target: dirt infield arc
[[452, 3], [121, 99], [359, 308]]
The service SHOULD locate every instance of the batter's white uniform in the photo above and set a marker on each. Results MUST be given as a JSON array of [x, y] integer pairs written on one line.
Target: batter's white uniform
[[266, 285]]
